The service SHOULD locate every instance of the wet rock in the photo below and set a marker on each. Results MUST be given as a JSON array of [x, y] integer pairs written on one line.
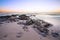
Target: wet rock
[[23, 17], [35, 26], [25, 28], [29, 22], [43, 34], [55, 34]]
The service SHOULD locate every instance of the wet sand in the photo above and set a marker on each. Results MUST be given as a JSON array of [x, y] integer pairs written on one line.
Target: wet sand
[[11, 31]]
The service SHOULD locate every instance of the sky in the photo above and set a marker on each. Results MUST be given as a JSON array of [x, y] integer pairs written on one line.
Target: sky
[[30, 5]]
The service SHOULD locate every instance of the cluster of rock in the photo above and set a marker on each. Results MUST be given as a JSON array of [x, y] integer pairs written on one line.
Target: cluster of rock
[[41, 25], [14, 17]]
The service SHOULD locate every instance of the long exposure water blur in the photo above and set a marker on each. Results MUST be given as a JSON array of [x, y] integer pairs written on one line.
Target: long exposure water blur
[[16, 29]]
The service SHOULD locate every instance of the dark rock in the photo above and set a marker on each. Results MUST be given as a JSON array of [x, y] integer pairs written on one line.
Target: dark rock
[[23, 17], [29, 22], [54, 34]]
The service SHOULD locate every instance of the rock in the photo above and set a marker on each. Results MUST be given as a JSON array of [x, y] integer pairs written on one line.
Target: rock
[[54, 34]]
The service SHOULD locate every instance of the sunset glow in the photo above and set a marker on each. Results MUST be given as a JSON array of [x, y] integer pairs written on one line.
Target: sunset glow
[[31, 6]]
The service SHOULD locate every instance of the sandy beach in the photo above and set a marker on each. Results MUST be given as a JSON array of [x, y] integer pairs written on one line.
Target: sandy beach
[[12, 30]]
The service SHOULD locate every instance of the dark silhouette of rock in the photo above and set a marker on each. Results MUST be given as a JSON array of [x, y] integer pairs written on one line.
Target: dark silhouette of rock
[[23, 17]]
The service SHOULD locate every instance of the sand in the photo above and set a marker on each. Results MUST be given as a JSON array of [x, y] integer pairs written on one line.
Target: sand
[[11, 31]]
